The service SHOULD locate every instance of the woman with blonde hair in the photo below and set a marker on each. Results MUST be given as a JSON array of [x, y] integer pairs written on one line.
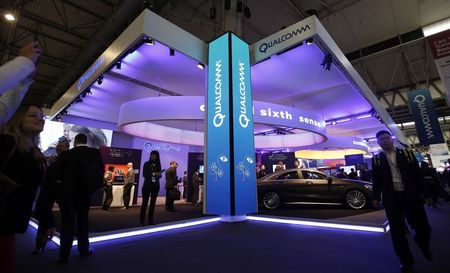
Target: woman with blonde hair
[[22, 168]]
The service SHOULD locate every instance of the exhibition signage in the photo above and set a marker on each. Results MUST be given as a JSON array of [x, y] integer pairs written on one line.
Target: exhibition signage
[[284, 38], [440, 46], [243, 138], [230, 160], [218, 168], [427, 124]]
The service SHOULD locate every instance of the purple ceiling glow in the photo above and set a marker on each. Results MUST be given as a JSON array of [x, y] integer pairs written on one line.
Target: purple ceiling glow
[[295, 78]]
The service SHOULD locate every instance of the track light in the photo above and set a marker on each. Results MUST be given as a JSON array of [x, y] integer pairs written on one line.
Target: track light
[[100, 80], [239, 6], [10, 17], [327, 61], [212, 13], [148, 41], [78, 100], [119, 65], [309, 41], [88, 91], [171, 52], [201, 66], [247, 12]]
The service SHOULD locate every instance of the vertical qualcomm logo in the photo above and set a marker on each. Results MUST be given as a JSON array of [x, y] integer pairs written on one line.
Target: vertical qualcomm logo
[[218, 116], [420, 100], [243, 118]]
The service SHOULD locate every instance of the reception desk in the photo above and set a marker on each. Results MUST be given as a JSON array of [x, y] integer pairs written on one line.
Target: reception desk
[[118, 195]]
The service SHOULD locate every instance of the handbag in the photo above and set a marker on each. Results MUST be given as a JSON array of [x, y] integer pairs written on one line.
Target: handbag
[[175, 194], [7, 185]]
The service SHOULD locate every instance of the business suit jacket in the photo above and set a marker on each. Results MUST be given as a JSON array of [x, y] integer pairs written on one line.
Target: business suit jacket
[[410, 174], [171, 178], [73, 184]]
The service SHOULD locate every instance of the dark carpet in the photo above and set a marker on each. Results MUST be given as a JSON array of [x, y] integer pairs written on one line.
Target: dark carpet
[[246, 247], [117, 218]]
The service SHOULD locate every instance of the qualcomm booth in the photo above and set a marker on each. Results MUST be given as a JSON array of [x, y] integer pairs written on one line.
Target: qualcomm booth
[[211, 106]]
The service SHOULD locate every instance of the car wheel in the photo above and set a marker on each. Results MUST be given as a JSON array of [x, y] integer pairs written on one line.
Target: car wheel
[[355, 199], [271, 200]]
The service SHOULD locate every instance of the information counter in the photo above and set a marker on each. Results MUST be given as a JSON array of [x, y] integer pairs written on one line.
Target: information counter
[[118, 195]]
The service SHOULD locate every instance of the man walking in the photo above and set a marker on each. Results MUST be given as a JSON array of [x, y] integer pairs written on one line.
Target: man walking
[[397, 181], [81, 173]]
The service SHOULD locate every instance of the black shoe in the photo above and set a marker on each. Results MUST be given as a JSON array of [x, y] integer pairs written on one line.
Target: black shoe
[[428, 254], [61, 261], [87, 253], [406, 268]]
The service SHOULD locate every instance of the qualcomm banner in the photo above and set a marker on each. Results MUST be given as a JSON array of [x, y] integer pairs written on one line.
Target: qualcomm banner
[[217, 156], [243, 138], [427, 124]]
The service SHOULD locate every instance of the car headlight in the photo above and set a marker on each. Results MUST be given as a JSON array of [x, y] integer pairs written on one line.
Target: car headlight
[[369, 187]]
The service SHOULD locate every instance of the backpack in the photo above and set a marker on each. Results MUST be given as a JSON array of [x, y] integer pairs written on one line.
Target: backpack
[[91, 172]]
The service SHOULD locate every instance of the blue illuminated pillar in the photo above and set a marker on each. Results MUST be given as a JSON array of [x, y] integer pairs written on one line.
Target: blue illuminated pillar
[[230, 156]]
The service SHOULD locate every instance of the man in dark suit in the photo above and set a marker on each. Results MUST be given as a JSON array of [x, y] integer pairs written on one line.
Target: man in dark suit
[[80, 168], [195, 187], [397, 181], [171, 184]]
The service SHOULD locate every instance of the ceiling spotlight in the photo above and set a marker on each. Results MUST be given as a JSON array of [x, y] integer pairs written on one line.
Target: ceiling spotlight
[[171, 52], [327, 61], [309, 41], [247, 12], [100, 80], [88, 91], [212, 13], [119, 65], [78, 100], [10, 17], [201, 66], [239, 6], [148, 41]]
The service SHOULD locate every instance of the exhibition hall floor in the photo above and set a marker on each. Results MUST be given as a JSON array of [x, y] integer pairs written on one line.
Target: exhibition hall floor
[[118, 218], [248, 246]]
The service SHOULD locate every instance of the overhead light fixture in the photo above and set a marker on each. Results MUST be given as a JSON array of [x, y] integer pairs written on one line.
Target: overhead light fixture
[[343, 120], [436, 27], [327, 61], [148, 41], [247, 12], [78, 100], [119, 65], [10, 17], [239, 6], [100, 80], [364, 116], [171, 52], [201, 66], [309, 41], [212, 13], [88, 91]]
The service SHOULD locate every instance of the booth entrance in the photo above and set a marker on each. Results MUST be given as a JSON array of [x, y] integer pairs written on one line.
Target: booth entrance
[[154, 64]]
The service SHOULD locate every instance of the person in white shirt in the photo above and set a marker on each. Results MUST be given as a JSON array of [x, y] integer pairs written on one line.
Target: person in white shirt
[[15, 79]]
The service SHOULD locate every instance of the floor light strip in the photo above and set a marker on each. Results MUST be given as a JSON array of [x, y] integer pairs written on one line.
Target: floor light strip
[[317, 224], [137, 232]]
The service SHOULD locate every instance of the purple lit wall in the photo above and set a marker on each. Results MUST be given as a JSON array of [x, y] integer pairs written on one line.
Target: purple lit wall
[[167, 152]]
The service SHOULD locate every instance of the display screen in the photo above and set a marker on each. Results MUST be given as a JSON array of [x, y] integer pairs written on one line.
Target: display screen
[[56, 131], [275, 166]]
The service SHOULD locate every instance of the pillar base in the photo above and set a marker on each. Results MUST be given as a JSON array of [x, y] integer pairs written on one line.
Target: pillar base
[[233, 218]]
